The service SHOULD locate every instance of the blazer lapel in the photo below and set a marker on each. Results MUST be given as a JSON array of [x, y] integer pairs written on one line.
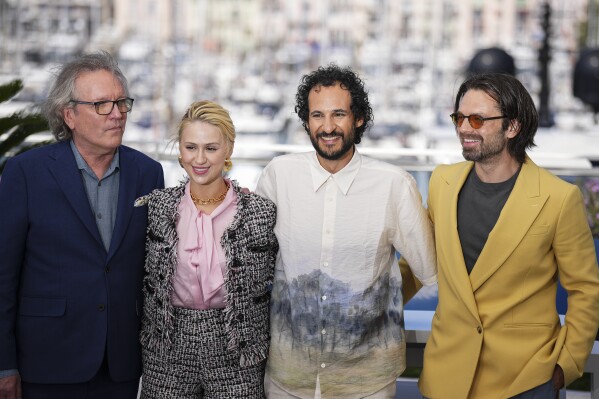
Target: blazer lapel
[[446, 222], [68, 177], [127, 188], [519, 212]]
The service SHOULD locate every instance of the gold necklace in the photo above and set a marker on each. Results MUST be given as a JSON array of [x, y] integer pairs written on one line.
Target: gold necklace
[[210, 201]]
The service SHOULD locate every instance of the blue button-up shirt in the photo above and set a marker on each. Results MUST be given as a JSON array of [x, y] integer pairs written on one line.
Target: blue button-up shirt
[[102, 193]]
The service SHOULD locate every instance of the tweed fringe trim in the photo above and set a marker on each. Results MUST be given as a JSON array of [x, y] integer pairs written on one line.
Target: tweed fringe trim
[[158, 316], [253, 354]]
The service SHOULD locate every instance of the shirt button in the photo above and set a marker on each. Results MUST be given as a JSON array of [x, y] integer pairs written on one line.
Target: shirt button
[[324, 297], [101, 307], [479, 329], [325, 264], [99, 215], [323, 365], [323, 331]]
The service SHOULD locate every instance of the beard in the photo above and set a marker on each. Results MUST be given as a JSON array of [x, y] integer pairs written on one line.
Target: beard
[[331, 154], [488, 147]]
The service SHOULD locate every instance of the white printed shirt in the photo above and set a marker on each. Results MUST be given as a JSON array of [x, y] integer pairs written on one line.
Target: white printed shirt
[[337, 307]]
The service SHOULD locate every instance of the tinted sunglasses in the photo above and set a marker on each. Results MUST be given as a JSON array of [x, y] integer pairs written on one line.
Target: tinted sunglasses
[[475, 121]]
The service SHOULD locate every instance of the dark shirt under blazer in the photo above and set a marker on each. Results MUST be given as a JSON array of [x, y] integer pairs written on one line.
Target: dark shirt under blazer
[[250, 248]]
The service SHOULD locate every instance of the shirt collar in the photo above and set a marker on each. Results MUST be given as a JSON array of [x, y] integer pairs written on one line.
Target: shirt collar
[[82, 165], [344, 178]]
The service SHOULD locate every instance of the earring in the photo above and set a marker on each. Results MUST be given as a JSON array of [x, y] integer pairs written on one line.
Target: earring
[[228, 165], [180, 163]]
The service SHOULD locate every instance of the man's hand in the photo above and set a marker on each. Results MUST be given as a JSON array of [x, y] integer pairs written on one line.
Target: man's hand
[[558, 378], [10, 387]]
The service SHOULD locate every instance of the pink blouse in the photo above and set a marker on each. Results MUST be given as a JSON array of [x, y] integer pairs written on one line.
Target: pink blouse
[[198, 282]]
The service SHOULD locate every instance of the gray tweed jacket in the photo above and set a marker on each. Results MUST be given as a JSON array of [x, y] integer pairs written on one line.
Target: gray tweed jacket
[[250, 247]]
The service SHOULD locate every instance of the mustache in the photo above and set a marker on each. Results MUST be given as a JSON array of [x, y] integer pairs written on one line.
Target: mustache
[[470, 137], [329, 135]]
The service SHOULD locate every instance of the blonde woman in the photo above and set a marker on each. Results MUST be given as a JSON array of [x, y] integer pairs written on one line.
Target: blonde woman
[[209, 267]]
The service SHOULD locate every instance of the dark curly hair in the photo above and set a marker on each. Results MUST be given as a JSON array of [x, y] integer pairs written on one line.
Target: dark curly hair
[[330, 76]]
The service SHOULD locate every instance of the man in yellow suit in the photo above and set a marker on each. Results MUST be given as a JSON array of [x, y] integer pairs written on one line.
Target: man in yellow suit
[[505, 230]]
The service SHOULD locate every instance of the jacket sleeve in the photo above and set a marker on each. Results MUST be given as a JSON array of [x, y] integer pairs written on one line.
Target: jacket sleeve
[[579, 275], [13, 234]]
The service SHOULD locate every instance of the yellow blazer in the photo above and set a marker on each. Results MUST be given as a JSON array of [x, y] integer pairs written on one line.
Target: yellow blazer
[[496, 332]]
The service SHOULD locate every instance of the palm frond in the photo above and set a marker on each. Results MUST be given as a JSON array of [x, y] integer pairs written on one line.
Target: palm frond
[[17, 127], [10, 89], [34, 124], [18, 118]]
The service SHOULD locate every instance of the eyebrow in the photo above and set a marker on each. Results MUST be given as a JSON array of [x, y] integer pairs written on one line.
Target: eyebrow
[[332, 111], [191, 142]]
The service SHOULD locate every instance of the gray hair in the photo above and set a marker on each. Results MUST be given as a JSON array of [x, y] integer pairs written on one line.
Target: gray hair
[[63, 89]]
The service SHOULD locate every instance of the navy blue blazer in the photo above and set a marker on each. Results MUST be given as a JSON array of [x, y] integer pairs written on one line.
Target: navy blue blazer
[[64, 299]]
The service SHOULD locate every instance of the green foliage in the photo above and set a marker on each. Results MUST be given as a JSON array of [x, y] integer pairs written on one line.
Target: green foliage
[[10, 89], [17, 127]]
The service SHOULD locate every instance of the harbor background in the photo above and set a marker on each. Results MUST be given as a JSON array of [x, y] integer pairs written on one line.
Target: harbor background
[[249, 55]]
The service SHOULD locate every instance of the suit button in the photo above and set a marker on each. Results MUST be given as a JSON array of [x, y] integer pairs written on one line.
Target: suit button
[[479, 329], [107, 269], [101, 307]]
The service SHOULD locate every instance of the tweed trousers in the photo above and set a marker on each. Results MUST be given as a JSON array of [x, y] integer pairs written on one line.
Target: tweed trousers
[[199, 365]]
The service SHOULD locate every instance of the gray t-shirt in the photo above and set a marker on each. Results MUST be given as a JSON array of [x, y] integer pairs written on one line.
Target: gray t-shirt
[[479, 206]]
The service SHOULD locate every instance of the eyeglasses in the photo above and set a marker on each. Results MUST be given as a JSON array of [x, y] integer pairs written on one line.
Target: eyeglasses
[[124, 105], [476, 121]]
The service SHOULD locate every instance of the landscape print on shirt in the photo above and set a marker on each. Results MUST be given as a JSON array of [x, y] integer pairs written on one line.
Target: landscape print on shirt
[[356, 335]]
